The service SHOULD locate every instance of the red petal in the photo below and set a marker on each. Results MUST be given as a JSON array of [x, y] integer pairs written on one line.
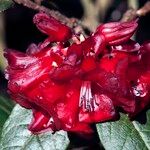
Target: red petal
[[52, 27], [88, 64], [81, 127], [117, 32], [40, 123], [129, 46], [103, 110]]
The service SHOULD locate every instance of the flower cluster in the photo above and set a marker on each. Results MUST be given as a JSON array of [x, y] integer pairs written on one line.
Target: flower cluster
[[70, 81]]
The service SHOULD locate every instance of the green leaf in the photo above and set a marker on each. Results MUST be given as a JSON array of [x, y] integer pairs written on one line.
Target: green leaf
[[4, 4], [6, 106], [16, 136], [125, 135]]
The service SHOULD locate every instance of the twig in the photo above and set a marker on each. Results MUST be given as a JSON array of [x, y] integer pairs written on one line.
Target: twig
[[38, 1], [90, 14], [71, 22], [132, 4], [94, 12], [74, 23], [144, 10], [132, 13], [129, 15]]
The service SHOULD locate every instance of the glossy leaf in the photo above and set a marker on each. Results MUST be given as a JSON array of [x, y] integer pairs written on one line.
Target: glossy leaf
[[5, 109], [16, 136], [125, 135]]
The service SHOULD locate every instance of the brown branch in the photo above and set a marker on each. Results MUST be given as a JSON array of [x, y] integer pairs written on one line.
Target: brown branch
[[144, 10], [71, 22], [38, 1], [132, 13], [129, 15], [94, 12], [90, 18]]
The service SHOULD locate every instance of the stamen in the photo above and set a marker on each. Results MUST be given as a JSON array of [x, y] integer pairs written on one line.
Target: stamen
[[51, 121], [86, 98], [140, 90], [82, 38], [54, 64]]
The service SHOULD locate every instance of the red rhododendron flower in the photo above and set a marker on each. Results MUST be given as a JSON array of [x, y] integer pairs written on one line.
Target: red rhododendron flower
[[89, 81]]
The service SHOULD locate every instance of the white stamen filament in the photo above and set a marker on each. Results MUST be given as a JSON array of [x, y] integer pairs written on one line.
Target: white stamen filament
[[140, 90], [86, 99], [54, 64], [82, 38], [50, 122]]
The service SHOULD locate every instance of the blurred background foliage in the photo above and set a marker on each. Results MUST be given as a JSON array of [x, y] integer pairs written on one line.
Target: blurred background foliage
[[17, 30]]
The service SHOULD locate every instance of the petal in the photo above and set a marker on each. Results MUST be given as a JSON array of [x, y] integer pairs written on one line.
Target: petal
[[40, 123], [117, 32], [129, 46], [103, 110], [88, 64], [18, 60], [52, 27], [81, 127]]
